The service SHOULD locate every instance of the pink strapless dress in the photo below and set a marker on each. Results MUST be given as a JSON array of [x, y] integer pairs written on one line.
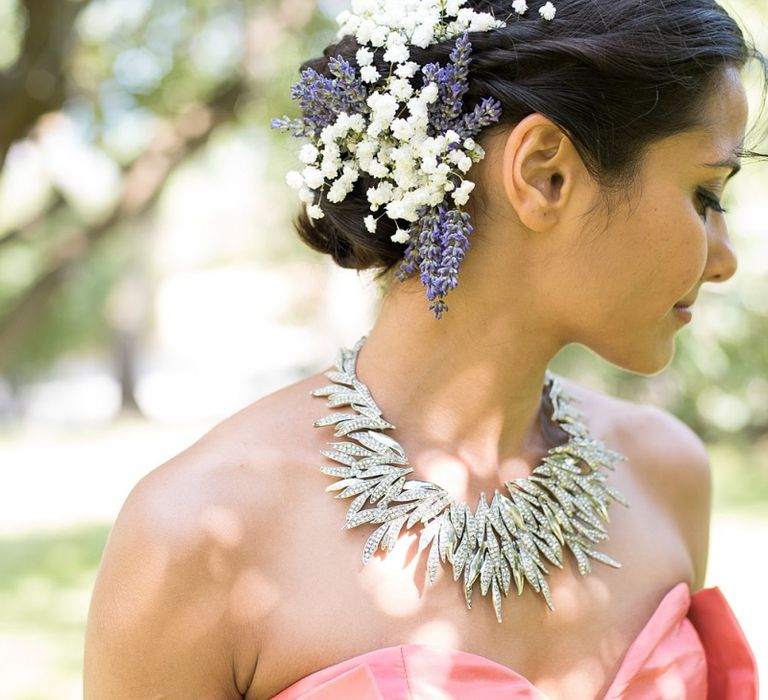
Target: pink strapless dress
[[692, 648]]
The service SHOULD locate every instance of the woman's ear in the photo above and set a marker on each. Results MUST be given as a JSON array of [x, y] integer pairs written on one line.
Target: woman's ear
[[539, 165]]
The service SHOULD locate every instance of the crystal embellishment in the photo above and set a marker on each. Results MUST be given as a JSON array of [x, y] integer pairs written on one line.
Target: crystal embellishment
[[563, 504]]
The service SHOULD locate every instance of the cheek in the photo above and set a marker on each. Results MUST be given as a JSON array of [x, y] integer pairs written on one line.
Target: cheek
[[688, 251], [669, 249]]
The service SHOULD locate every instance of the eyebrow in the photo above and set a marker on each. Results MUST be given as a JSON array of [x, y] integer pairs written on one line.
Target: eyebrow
[[731, 162]]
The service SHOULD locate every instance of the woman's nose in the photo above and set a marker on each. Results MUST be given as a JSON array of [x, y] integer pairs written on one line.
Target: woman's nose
[[721, 260]]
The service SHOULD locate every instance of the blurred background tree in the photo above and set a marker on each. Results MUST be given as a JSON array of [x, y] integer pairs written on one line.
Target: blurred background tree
[[103, 102]]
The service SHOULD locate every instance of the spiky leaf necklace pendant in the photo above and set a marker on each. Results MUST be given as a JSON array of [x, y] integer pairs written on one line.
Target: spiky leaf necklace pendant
[[561, 505]]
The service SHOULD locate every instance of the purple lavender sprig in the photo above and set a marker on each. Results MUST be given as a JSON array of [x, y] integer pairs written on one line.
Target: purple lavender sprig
[[438, 244], [440, 239], [486, 113], [454, 243], [452, 84], [321, 99]]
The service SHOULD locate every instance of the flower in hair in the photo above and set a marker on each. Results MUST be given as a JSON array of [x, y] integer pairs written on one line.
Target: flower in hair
[[402, 129], [547, 11]]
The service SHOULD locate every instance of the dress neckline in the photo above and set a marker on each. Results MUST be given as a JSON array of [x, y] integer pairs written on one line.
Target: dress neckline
[[670, 610]]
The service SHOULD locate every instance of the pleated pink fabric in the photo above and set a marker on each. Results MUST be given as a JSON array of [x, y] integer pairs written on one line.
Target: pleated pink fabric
[[692, 648]]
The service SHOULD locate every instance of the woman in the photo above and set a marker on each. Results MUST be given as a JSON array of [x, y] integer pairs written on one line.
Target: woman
[[600, 136]]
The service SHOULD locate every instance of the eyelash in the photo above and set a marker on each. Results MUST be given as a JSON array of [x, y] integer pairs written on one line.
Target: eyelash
[[709, 201]]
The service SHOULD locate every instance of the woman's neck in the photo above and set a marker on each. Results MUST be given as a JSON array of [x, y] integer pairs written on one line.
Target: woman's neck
[[465, 394]]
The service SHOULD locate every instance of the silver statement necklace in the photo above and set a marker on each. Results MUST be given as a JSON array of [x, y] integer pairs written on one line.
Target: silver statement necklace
[[560, 505]]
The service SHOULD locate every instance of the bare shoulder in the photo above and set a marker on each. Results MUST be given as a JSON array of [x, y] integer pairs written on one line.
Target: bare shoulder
[[668, 458], [175, 609]]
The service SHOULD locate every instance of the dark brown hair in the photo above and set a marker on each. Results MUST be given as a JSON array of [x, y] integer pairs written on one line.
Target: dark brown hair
[[614, 75]]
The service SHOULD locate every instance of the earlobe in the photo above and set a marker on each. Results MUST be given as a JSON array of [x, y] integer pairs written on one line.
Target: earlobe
[[537, 171]]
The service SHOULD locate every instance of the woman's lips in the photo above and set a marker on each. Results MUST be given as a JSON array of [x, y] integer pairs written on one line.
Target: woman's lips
[[683, 312]]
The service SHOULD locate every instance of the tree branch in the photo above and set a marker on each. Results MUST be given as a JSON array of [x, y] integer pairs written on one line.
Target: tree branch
[[142, 185], [36, 83]]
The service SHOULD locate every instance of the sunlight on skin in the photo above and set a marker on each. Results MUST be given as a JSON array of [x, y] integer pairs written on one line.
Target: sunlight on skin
[[450, 474], [250, 585], [223, 526], [226, 531], [391, 579], [436, 633]]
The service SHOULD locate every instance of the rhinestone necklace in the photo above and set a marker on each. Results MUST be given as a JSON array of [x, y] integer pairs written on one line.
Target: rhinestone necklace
[[560, 505]]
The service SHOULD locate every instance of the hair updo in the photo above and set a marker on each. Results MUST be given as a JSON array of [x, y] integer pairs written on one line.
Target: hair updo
[[614, 75]]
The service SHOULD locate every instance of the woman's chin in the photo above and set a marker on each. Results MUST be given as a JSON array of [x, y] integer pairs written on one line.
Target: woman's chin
[[646, 361]]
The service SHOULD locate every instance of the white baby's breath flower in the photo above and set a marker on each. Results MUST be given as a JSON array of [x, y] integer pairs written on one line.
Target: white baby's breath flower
[[464, 163], [520, 6], [374, 128], [294, 179], [315, 212], [423, 36], [366, 149], [461, 193], [401, 129], [464, 16], [329, 133], [313, 177], [455, 156], [401, 89], [429, 94], [344, 185], [397, 54], [435, 197], [363, 32], [350, 172], [357, 123], [337, 192], [332, 151], [379, 36], [381, 194], [452, 7], [547, 11], [369, 74], [452, 136], [400, 236], [419, 121], [378, 169], [429, 164], [478, 153], [407, 70], [406, 179], [418, 109], [370, 223], [402, 156], [384, 106], [364, 57], [308, 153], [396, 209], [330, 167], [483, 22], [396, 37], [306, 195]]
